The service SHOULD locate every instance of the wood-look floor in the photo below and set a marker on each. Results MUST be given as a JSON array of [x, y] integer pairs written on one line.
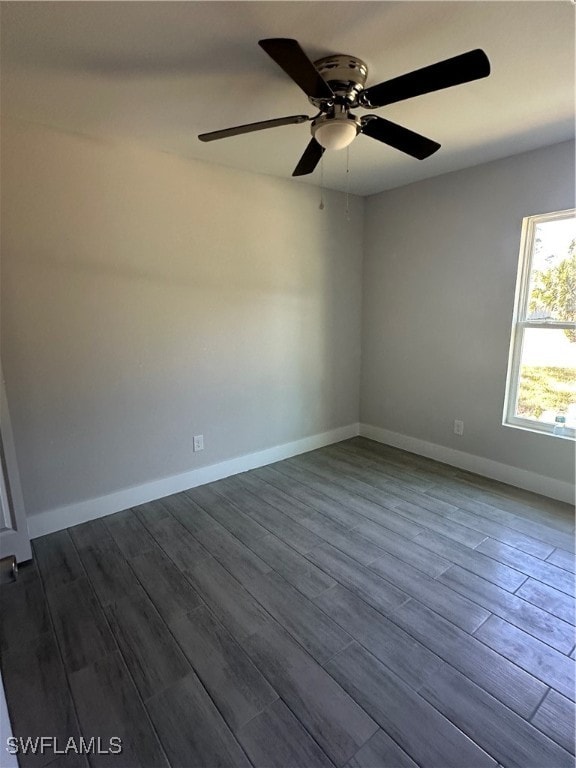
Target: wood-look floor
[[354, 606]]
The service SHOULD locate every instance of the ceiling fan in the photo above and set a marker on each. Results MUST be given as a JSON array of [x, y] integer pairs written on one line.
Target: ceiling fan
[[335, 86]]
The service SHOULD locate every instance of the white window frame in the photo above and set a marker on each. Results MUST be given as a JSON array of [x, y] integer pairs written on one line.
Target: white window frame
[[519, 324]]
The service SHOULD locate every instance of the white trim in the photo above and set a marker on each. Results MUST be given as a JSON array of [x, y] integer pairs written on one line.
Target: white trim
[[521, 478], [534, 426], [539, 427], [14, 534], [539, 324], [56, 519]]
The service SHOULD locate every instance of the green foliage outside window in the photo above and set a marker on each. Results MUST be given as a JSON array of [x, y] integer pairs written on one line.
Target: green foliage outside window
[[544, 389], [554, 291]]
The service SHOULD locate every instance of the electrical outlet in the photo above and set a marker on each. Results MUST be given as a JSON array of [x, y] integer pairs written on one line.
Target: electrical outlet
[[458, 427], [198, 442]]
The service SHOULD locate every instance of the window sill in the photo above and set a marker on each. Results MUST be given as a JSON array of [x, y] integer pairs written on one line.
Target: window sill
[[536, 431]]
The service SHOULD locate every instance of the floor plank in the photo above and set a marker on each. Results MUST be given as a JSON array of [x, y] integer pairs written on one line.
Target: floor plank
[[434, 741], [236, 557], [458, 608], [108, 705], [315, 631], [358, 476], [407, 550], [288, 495], [38, 697], [508, 738], [295, 568], [563, 559], [549, 599], [349, 488], [234, 607], [276, 739], [57, 559], [529, 505], [536, 515], [509, 683], [70, 760], [214, 499], [235, 685], [26, 612], [177, 542], [332, 717], [553, 668], [395, 462], [110, 575], [151, 653], [473, 561], [523, 504], [80, 625], [395, 457], [502, 533], [151, 513], [400, 485], [408, 658], [268, 517], [129, 534], [352, 542], [438, 523], [368, 585], [556, 717], [402, 493], [359, 504], [166, 586], [192, 730], [544, 571], [381, 751], [466, 499], [192, 516], [559, 634], [379, 473]]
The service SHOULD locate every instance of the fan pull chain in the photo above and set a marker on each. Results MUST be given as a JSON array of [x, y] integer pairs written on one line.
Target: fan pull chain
[[321, 206], [348, 183]]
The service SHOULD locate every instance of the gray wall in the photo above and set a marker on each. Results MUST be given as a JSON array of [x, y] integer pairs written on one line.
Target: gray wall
[[440, 268], [147, 298]]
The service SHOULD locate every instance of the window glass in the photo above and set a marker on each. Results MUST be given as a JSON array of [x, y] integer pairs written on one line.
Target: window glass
[[552, 293], [547, 382]]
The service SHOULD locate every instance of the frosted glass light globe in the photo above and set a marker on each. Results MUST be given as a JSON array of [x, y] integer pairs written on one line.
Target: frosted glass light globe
[[335, 134]]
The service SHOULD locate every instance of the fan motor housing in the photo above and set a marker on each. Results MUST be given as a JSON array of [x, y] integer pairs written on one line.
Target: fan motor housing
[[345, 74]]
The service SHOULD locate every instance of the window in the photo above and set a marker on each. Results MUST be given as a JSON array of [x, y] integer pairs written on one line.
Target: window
[[541, 386]]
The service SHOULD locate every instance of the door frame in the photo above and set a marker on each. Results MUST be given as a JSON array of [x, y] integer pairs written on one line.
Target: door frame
[[14, 536]]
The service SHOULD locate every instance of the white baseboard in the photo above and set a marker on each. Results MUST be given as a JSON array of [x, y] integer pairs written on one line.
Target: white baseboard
[[56, 519], [521, 478]]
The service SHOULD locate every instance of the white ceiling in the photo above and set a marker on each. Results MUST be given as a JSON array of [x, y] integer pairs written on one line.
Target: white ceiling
[[162, 72]]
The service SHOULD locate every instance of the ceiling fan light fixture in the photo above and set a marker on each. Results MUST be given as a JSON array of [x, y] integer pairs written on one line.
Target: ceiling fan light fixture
[[335, 84], [335, 134]]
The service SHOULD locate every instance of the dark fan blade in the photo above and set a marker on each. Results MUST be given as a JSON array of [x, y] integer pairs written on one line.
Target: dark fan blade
[[288, 55], [249, 127], [309, 159], [398, 137], [459, 69]]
